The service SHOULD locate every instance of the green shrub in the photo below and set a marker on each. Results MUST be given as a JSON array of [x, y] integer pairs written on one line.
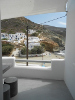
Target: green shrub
[[34, 51], [6, 50], [43, 45], [37, 50], [34, 34], [6, 44], [24, 51]]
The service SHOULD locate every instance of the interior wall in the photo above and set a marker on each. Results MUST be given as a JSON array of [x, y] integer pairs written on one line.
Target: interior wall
[[70, 48], [1, 92]]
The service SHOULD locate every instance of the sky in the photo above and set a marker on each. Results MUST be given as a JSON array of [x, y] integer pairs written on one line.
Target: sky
[[41, 18]]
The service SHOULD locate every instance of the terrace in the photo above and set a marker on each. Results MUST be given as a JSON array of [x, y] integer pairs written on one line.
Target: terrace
[[34, 80], [55, 83]]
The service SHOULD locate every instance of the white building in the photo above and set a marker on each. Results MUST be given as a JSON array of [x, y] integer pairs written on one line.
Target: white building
[[32, 41], [11, 37], [4, 36], [30, 31], [31, 45], [17, 36]]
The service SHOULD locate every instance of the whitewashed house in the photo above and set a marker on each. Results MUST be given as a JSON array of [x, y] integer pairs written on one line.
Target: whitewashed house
[[30, 31], [17, 36], [11, 37], [32, 41], [32, 44], [4, 36]]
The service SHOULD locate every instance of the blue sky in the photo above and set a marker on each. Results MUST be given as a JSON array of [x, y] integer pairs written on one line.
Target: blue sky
[[46, 17]]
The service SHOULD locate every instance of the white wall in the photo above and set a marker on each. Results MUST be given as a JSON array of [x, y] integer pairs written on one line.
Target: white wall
[[70, 48], [56, 71], [1, 89], [9, 61]]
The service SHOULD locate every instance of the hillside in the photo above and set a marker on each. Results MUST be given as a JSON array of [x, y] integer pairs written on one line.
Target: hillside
[[56, 34], [13, 25], [58, 30], [19, 25]]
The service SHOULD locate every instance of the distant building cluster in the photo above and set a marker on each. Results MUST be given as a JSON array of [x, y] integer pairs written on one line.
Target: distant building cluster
[[12, 37], [16, 36], [32, 41]]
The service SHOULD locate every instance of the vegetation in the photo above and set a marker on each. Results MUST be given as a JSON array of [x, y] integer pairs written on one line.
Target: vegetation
[[39, 31], [34, 34], [43, 45], [24, 51], [11, 32], [35, 50], [4, 39], [6, 48], [3, 31], [20, 24]]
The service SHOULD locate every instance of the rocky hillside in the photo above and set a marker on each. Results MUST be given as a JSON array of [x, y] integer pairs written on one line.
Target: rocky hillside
[[19, 25], [60, 31], [11, 26]]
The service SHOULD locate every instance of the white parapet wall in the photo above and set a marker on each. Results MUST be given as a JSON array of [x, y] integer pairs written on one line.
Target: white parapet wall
[[8, 61], [56, 71]]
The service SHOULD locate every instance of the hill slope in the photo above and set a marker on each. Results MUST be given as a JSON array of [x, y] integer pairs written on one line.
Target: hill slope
[[58, 30], [11, 26], [17, 25]]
